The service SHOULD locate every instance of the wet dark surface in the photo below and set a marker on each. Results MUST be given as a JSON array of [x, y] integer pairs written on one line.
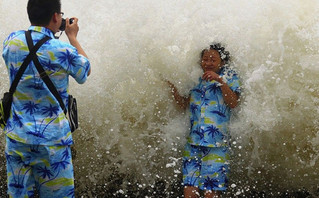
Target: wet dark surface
[[119, 185]]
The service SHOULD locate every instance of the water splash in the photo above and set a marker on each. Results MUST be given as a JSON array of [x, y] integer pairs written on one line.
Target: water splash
[[132, 134]]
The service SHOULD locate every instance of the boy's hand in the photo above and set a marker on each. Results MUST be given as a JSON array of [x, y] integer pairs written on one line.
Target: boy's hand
[[210, 75]]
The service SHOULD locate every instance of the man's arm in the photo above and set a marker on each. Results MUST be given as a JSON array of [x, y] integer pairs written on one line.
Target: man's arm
[[71, 31]]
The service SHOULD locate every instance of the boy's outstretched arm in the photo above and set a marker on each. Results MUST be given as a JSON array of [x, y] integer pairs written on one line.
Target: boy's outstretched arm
[[182, 102]]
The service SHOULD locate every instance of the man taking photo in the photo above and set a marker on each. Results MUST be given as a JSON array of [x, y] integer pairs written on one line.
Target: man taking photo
[[38, 135]]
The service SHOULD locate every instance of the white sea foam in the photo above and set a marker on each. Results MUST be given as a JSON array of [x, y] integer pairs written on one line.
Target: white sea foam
[[125, 106]]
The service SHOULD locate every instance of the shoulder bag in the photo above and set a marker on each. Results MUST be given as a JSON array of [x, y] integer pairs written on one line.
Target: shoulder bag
[[6, 101]]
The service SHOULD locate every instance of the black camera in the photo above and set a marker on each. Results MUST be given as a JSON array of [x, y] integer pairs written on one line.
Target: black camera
[[62, 27]]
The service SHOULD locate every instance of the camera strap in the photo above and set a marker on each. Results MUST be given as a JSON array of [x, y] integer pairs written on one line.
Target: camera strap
[[57, 37], [44, 76], [25, 64]]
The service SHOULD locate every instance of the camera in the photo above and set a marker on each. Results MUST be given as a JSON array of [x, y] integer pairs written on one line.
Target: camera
[[62, 27]]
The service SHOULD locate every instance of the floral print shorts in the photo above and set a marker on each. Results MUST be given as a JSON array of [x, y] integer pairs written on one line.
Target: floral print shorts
[[45, 169], [205, 167]]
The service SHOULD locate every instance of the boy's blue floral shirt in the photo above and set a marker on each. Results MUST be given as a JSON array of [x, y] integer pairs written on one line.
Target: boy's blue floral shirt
[[209, 115], [36, 116]]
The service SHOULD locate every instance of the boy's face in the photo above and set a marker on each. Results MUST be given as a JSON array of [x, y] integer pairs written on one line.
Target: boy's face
[[211, 61]]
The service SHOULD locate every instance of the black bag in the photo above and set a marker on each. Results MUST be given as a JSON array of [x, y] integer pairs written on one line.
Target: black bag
[[71, 113], [6, 101]]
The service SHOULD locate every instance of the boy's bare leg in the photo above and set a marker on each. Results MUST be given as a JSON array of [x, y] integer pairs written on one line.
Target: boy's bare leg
[[191, 192], [212, 194]]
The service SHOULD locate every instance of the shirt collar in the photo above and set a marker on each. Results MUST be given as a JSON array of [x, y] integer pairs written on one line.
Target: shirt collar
[[42, 30]]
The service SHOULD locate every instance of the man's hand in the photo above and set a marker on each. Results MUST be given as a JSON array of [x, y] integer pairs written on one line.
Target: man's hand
[[72, 30]]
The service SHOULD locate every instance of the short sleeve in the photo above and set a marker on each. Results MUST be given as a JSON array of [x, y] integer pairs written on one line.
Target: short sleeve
[[233, 81], [79, 65]]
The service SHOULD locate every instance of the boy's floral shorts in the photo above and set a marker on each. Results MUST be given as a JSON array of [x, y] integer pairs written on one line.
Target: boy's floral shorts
[[48, 169], [205, 167]]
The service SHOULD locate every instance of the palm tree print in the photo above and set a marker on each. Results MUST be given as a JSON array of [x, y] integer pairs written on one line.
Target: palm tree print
[[60, 165], [199, 91], [36, 134], [192, 122], [57, 167], [190, 168], [214, 88], [211, 183], [50, 110], [194, 108], [36, 117], [213, 131], [66, 142], [34, 148], [17, 120], [205, 151], [30, 107], [9, 126], [40, 129], [37, 85], [13, 71], [209, 113], [63, 94], [71, 193], [222, 170], [65, 154], [9, 38], [51, 67], [199, 133], [220, 112], [65, 57], [17, 181], [21, 168], [45, 172]]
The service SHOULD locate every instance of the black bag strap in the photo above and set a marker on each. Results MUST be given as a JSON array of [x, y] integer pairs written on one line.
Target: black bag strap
[[44, 75], [25, 64]]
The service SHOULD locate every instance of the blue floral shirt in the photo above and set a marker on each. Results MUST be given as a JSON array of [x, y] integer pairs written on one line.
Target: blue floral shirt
[[36, 116], [209, 115]]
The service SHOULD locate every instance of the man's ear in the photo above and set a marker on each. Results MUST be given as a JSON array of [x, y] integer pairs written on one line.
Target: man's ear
[[55, 17]]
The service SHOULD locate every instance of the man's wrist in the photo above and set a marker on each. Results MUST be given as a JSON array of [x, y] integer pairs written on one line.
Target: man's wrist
[[72, 39]]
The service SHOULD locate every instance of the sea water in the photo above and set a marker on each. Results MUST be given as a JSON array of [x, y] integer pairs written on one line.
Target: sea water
[[131, 134]]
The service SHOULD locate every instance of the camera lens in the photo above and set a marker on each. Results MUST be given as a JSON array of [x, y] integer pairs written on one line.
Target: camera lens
[[62, 27], [63, 24]]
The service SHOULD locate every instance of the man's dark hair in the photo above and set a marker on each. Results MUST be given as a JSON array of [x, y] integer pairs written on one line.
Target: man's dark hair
[[41, 11]]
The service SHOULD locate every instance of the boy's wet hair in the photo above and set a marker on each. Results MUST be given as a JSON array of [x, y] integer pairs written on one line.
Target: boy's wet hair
[[224, 55]]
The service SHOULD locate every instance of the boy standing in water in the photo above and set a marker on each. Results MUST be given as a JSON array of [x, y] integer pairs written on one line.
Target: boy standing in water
[[205, 161], [38, 135]]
